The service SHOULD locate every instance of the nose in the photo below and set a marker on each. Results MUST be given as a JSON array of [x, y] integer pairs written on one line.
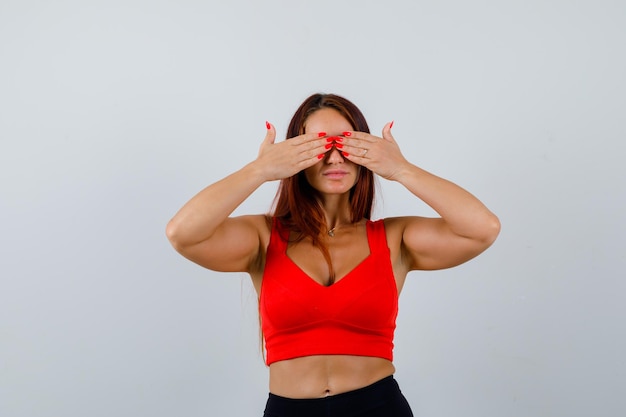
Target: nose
[[335, 156]]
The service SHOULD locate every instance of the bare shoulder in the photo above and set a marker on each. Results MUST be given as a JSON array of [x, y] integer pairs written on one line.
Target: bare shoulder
[[263, 224], [426, 243], [395, 227], [401, 232], [259, 225], [401, 260]]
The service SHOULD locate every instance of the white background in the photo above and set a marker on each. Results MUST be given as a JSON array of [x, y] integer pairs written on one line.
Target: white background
[[114, 113]]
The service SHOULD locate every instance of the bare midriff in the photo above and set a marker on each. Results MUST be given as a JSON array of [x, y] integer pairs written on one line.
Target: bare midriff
[[324, 375]]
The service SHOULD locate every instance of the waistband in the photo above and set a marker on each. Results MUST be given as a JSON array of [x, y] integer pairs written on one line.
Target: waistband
[[351, 403]]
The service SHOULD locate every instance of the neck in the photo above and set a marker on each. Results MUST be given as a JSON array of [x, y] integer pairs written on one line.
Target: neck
[[337, 221], [337, 210]]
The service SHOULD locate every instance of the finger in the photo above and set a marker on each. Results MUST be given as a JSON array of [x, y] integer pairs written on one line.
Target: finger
[[311, 157], [311, 145], [308, 146], [319, 151], [387, 132], [359, 160], [270, 135], [308, 137], [360, 136], [355, 136], [357, 148]]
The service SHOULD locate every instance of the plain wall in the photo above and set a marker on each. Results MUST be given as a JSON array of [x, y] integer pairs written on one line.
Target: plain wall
[[114, 113]]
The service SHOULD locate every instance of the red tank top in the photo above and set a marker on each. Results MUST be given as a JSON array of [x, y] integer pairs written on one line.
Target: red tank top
[[354, 316]]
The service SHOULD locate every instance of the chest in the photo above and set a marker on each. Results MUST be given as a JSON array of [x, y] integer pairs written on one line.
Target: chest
[[345, 254], [365, 292]]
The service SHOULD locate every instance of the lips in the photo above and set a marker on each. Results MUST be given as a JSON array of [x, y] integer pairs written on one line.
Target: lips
[[335, 173]]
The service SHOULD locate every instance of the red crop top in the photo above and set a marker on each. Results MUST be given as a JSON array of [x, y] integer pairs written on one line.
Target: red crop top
[[354, 316]]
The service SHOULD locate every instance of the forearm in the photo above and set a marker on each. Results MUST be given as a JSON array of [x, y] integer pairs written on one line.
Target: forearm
[[200, 217], [463, 213]]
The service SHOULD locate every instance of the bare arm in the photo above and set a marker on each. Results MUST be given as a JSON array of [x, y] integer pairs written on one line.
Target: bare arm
[[466, 227], [202, 230]]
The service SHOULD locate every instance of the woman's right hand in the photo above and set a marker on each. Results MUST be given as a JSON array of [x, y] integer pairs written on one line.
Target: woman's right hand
[[285, 159]]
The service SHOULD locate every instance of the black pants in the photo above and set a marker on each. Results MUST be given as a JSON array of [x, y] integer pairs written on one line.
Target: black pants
[[381, 399]]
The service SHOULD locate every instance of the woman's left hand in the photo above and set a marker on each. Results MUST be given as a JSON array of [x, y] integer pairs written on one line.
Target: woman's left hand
[[380, 155]]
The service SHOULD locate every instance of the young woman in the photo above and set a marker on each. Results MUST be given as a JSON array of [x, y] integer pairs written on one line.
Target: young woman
[[328, 277]]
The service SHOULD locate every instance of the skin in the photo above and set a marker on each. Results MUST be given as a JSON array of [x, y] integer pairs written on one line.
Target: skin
[[203, 232]]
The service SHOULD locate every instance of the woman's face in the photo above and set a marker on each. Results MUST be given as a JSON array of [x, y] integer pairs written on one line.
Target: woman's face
[[333, 174]]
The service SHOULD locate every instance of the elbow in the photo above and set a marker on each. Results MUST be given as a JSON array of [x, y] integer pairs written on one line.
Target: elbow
[[492, 229], [172, 232]]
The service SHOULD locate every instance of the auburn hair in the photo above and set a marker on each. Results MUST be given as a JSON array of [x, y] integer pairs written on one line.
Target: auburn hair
[[297, 205]]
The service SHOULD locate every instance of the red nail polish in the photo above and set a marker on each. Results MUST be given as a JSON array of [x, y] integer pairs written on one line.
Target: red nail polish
[[339, 145], [328, 145], [338, 139], [330, 139], [347, 133], [391, 125], [321, 134], [320, 156], [268, 125], [345, 153]]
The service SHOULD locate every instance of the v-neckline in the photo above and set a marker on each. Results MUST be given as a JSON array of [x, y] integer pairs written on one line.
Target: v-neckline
[[346, 275], [319, 284]]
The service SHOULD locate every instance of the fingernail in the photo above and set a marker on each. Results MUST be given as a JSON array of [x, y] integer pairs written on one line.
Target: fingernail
[[331, 139], [345, 153], [339, 145], [336, 138], [328, 145], [320, 156], [321, 134], [268, 125], [347, 133], [391, 125]]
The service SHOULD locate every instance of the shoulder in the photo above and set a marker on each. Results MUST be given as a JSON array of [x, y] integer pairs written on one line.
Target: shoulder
[[262, 226], [394, 226], [397, 228], [250, 228], [393, 229], [399, 224], [262, 223]]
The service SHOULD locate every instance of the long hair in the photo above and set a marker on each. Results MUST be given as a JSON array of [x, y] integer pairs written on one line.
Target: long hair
[[297, 205]]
